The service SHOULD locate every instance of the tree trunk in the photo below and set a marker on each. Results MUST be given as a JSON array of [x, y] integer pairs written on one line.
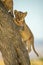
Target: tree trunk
[[11, 46]]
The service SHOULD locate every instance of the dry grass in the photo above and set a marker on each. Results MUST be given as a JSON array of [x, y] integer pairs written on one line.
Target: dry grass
[[1, 62], [37, 62]]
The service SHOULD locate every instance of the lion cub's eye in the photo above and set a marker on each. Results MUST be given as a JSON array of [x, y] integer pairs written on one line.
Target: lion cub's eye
[[18, 22]]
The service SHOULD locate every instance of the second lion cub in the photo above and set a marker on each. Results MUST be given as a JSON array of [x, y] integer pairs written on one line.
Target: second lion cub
[[26, 34], [8, 5]]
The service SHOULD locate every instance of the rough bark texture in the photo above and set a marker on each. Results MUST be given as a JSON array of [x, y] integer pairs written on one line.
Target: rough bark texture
[[11, 46]]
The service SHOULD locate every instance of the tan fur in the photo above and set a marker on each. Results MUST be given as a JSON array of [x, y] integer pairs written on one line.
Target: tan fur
[[26, 34], [8, 4]]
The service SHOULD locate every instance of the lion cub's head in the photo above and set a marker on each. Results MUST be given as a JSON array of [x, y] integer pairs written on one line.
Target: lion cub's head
[[20, 16]]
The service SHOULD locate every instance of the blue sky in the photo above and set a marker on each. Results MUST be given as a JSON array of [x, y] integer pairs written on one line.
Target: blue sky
[[34, 17]]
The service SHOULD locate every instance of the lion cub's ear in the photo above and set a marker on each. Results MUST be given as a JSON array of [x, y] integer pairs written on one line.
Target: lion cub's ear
[[25, 13], [15, 12]]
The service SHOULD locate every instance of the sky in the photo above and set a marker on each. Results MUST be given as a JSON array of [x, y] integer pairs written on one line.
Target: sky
[[34, 18]]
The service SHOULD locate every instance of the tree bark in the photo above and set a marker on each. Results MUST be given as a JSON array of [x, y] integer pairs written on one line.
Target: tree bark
[[11, 46]]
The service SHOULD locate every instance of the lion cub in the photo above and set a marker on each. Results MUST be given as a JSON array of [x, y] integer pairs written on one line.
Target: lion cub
[[8, 5], [26, 34]]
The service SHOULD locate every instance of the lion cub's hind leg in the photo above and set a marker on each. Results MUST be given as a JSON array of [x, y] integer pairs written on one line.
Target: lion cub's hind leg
[[28, 46]]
